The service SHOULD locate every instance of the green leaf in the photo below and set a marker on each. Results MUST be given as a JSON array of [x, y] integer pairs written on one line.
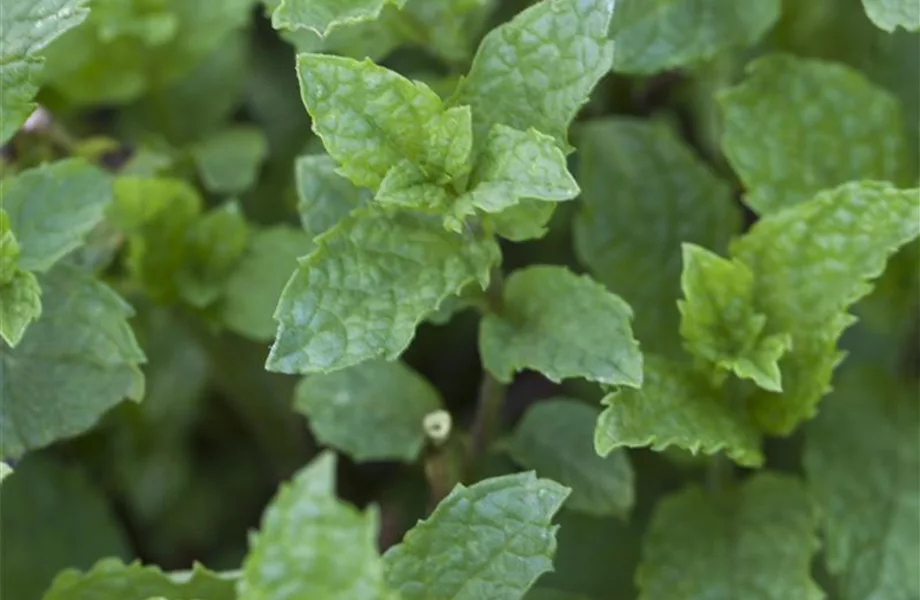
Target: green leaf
[[372, 411], [554, 439], [26, 28], [73, 364], [639, 172], [563, 325], [862, 459], [51, 208], [5, 471], [755, 540], [719, 323], [537, 70], [53, 518], [408, 186], [810, 263], [369, 118], [891, 14], [312, 545], [322, 16], [489, 541], [252, 290], [658, 35], [9, 250], [677, 407], [796, 126], [371, 280], [20, 304], [324, 196], [229, 161], [113, 580], [524, 221]]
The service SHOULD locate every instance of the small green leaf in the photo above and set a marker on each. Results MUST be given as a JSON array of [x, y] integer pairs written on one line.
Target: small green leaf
[[5, 471], [891, 14], [450, 143], [554, 439], [489, 541], [77, 361], [524, 221], [634, 172], [312, 545], [371, 280], [53, 518], [563, 325], [657, 35], [677, 407], [26, 28], [372, 411], [229, 161], [719, 323], [20, 304], [537, 70], [322, 16], [797, 126], [324, 196], [111, 579], [252, 290], [9, 250], [51, 208], [369, 118], [755, 540], [862, 459], [408, 186]]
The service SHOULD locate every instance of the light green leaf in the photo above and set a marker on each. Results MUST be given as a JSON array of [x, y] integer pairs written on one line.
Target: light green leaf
[[369, 118], [657, 35], [524, 221], [322, 16], [20, 304], [633, 171], [489, 541], [677, 407], [73, 364], [755, 540], [408, 186], [26, 28], [312, 545], [862, 459], [53, 518], [52, 207], [891, 14], [554, 439], [228, 162], [9, 250], [450, 144], [324, 196], [251, 292], [796, 126], [538, 69], [563, 325], [371, 280], [113, 580], [810, 263], [372, 411], [719, 323]]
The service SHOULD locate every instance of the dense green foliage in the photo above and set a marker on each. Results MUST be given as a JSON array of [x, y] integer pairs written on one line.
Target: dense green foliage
[[459, 300]]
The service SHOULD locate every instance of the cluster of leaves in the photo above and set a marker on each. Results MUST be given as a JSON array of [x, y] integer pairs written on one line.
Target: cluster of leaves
[[176, 230]]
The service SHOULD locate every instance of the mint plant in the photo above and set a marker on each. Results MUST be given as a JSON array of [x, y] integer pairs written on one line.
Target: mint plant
[[459, 300]]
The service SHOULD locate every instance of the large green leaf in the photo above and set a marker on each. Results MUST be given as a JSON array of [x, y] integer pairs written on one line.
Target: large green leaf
[[371, 280], [862, 459], [77, 361], [538, 69], [312, 545], [656, 35], [890, 14], [795, 126], [372, 411], [53, 518], [113, 580], [489, 541], [51, 208], [563, 325], [26, 28], [677, 407], [554, 439], [754, 540], [644, 193]]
